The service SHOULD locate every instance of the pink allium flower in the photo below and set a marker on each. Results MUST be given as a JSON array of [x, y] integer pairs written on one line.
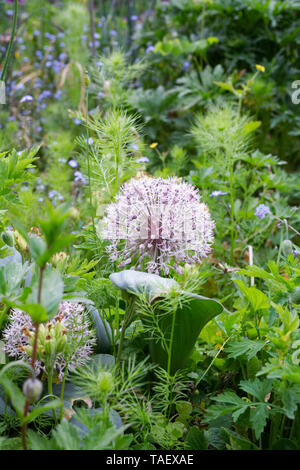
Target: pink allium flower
[[157, 224], [78, 327]]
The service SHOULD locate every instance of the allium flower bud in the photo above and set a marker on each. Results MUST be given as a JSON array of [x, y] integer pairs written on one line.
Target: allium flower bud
[[105, 382], [32, 389], [8, 238], [287, 247]]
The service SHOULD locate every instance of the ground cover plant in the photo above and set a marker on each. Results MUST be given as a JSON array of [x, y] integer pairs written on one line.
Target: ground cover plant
[[149, 251]]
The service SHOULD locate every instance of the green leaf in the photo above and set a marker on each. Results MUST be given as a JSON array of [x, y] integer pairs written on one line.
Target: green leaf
[[238, 442], [230, 397], [37, 247], [258, 388], [137, 282], [291, 399], [190, 317], [251, 127], [285, 444], [257, 298], [66, 436], [196, 439], [258, 418], [39, 410], [37, 312], [52, 291], [184, 409], [244, 346]]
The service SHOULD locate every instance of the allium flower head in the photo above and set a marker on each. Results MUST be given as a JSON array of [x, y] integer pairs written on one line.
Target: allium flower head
[[76, 332], [158, 224]]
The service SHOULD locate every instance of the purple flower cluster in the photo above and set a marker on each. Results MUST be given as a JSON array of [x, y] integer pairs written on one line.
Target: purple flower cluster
[[158, 224], [16, 337], [262, 210]]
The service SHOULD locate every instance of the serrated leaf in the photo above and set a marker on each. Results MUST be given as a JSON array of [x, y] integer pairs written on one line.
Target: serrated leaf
[[258, 388], [229, 396], [196, 439], [258, 418], [290, 400], [244, 346]]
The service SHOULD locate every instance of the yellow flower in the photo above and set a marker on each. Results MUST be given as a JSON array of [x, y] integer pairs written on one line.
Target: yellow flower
[[261, 68], [153, 145]]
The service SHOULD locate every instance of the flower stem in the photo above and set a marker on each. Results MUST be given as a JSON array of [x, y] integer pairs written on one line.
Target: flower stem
[[11, 41]]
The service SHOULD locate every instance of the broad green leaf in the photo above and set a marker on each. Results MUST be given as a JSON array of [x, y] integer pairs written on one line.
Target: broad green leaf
[[37, 247], [257, 298], [52, 291], [190, 317], [143, 283], [37, 312]]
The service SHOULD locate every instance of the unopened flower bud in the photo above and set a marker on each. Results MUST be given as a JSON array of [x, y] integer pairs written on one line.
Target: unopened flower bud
[[32, 389], [287, 247], [8, 238], [86, 78]]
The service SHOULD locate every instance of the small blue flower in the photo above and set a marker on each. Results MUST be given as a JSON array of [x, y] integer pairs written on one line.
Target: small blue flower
[[262, 210], [58, 94], [79, 178], [142, 160], [186, 65], [217, 194], [26, 98], [62, 56], [77, 121], [133, 147], [72, 163], [150, 48]]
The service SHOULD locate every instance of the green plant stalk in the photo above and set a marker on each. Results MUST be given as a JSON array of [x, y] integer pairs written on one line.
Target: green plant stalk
[[171, 342], [279, 250], [50, 391], [117, 160], [11, 41], [34, 354], [62, 392], [126, 322], [88, 157], [232, 229]]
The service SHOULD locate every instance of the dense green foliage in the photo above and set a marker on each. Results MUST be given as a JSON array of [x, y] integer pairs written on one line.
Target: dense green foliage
[[201, 94]]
